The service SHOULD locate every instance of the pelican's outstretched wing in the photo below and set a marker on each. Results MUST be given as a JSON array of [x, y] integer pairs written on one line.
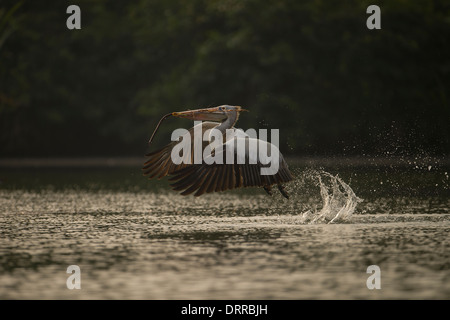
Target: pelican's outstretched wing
[[244, 172], [160, 164]]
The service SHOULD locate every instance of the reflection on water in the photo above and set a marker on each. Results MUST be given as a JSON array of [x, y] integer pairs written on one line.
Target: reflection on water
[[141, 241]]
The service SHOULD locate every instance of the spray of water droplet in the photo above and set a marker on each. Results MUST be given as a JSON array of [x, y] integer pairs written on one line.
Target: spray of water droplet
[[317, 196]]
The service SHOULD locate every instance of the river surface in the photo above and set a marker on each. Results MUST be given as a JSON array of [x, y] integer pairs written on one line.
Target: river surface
[[136, 239]]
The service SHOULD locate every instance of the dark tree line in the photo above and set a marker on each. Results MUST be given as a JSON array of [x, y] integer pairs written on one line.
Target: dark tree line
[[309, 68]]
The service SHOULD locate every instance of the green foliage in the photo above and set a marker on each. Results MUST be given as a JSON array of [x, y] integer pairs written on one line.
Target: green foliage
[[310, 68]]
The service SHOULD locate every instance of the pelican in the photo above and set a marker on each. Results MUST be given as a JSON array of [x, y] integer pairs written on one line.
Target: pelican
[[207, 176]]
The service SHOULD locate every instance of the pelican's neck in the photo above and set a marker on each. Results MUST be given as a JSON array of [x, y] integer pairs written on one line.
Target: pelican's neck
[[229, 123]]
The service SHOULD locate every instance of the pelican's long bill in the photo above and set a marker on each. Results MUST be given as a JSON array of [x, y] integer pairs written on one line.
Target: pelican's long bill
[[216, 114]]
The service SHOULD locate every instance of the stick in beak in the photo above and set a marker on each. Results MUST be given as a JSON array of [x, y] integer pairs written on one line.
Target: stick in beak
[[157, 126], [216, 114], [207, 114]]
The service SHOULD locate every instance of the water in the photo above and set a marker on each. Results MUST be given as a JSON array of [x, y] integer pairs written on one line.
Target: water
[[135, 239]]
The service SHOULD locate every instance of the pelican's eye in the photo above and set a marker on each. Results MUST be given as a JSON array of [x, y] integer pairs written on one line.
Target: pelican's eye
[[221, 108]]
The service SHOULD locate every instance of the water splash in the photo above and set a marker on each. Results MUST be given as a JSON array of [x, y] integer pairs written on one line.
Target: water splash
[[338, 200]]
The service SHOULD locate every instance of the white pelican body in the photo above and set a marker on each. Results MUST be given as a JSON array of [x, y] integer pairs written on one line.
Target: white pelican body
[[229, 158]]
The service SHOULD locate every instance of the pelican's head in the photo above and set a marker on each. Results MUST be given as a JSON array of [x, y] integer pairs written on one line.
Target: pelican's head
[[216, 114]]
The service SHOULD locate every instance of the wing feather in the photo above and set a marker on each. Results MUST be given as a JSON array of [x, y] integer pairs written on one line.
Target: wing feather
[[207, 178]]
